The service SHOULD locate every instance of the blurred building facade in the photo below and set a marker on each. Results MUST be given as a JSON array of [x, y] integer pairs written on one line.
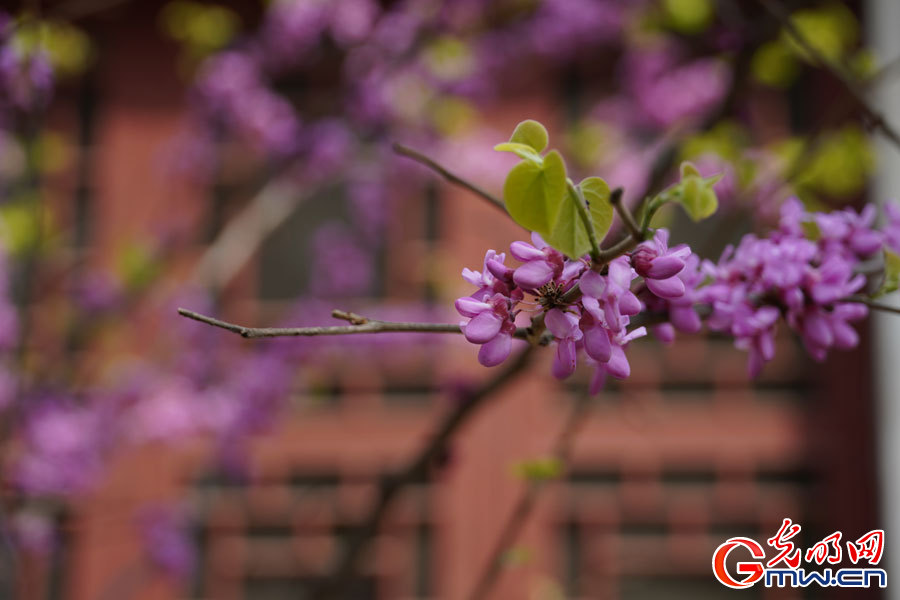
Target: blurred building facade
[[665, 466]]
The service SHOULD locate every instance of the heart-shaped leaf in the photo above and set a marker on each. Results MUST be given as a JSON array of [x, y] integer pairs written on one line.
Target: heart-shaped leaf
[[521, 150], [534, 193], [532, 134], [569, 235]]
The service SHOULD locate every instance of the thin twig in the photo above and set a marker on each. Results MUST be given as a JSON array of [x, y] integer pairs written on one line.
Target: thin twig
[[874, 304], [364, 326], [886, 72], [562, 448], [615, 198], [581, 206], [345, 565], [239, 240], [454, 179], [875, 118]]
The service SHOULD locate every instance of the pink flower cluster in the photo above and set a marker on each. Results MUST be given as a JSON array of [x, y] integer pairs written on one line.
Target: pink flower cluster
[[805, 273], [596, 320], [807, 282]]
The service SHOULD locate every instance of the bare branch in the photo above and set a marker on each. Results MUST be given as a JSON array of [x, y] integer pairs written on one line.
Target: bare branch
[[875, 119], [454, 179], [875, 305], [243, 235], [562, 449], [615, 198], [345, 565], [360, 325]]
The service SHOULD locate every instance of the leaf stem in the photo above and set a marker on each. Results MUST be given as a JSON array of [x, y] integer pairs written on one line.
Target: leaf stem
[[420, 158], [581, 206], [615, 198]]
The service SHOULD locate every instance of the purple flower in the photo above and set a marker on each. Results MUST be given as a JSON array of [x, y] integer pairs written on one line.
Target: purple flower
[[167, 541], [613, 292], [594, 326], [490, 324], [659, 265], [542, 263], [668, 92], [846, 229], [352, 20], [833, 280], [341, 265], [26, 77], [494, 278], [805, 281], [892, 227], [63, 448], [564, 327], [617, 366], [169, 412], [822, 329]]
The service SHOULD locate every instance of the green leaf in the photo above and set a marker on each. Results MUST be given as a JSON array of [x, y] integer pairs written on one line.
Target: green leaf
[[569, 234], [517, 556], [539, 469], [774, 64], [534, 193], [596, 193], [697, 195], [521, 150], [891, 273], [689, 170], [532, 134], [811, 230], [21, 227], [713, 179], [689, 16]]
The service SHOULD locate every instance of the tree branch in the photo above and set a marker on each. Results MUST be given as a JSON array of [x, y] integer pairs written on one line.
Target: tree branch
[[359, 324], [875, 118], [873, 304], [615, 198], [237, 242], [417, 468], [562, 448], [450, 177]]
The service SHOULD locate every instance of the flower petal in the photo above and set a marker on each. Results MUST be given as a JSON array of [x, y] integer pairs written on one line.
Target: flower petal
[[664, 332], [533, 274], [685, 319], [597, 344], [593, 284], [495, 351], [598, 380], [525, 252], [672, 287], [618, 365], [817, 330], [470, 307], [561, 324], [664, 267], [483, 327], [564, 364], [629, 304]]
